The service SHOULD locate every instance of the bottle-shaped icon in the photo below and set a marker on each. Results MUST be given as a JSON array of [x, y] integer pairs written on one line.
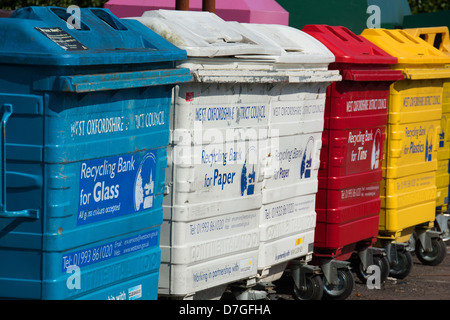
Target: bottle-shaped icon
[[306, 165], [251, 181], [429, 145], [144, 186], [376, 147], [244, 178]]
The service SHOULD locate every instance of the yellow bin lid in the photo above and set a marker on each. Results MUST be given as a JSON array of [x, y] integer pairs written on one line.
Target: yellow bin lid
[[438, 37], [417, 58]]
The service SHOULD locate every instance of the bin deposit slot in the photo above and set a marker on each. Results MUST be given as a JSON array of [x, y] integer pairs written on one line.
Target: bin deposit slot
[[108, 19], [64, 15]]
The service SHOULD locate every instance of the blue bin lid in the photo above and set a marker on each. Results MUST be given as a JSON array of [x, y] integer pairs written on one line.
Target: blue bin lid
[[46, 36]]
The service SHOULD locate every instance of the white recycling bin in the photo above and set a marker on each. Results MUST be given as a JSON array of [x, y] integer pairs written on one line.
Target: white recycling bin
[[229, 215], [288, 217]]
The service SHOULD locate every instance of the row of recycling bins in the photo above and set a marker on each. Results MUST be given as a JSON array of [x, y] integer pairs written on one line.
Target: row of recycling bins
[[177, 155]]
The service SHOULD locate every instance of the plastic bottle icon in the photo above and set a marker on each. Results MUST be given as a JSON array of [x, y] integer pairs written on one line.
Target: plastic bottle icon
[[442, 133], [144, 188], [305, 168], [375, 160], [429, 145], [248, 179], [244, 178], [251, 181]]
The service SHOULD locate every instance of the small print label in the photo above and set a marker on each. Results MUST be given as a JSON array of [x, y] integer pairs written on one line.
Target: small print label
[[366, 105], [120, 123], [135, 292], [359, 192], [62, 39], [116, 186], [245, 265], [228, 113], [220, 272], [297, 110], [415, 182], [110, 250], [421, 101], [189, 96], [289, 208]]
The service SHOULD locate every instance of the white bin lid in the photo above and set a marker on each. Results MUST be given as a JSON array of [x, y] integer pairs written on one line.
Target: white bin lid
[[204, 34], [298, 46]]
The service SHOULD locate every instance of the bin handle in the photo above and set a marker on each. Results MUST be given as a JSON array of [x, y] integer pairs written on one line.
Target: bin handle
[[424, 74], [113, 81], [27, 213]]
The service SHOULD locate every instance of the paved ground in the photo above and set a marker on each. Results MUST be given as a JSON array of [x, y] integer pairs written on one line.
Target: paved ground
[[423, 283]]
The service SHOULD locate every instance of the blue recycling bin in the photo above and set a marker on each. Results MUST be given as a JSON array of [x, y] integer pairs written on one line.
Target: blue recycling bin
[[85, 125]]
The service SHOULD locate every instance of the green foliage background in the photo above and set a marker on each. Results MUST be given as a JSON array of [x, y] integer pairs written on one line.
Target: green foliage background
[[421, 6], [14, 4], [417, 6]]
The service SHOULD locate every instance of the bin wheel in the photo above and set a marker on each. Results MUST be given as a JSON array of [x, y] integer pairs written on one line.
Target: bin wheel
[[380, 261], [436, 256], [343, 289], [403, 267], [313, 289]]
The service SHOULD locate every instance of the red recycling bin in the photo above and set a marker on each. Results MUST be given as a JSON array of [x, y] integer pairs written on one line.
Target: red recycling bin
[[348, 200]]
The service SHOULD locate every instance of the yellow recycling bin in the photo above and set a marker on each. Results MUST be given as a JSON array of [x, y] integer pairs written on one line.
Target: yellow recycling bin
[[408, 195], [439, 38]]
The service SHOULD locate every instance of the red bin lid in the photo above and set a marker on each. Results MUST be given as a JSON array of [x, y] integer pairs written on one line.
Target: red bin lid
[[349, 47]]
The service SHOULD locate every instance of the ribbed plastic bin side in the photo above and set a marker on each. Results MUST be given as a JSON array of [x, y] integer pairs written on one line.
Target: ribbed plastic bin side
[[211, 229], [222, 151], [348, 200], [86, 122], [410, 165], [439, 38], [288, 216]]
